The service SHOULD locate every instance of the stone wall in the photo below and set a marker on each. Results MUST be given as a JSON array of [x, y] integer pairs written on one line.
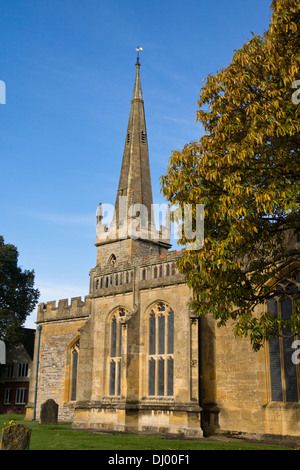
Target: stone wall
[[236, 388], [134, 409], [225, 377], [54, 367]]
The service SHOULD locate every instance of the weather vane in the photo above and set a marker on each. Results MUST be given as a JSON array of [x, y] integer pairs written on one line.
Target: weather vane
[[138, 49]]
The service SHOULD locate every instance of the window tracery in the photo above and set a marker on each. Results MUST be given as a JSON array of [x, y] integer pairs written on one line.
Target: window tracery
[[161, 350], [284, 370], [74, 369], [115, 361]]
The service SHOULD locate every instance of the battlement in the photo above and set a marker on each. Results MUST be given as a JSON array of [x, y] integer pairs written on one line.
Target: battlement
[[130, 225], [105, 234], [63, 311]]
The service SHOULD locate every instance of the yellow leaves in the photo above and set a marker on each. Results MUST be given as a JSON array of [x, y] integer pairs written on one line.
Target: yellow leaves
[[245, 169], [292, 26], [294, 72], [249, 107]]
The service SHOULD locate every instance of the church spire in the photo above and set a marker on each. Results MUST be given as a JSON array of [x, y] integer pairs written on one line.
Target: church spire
[[133, 213], [135, 179]]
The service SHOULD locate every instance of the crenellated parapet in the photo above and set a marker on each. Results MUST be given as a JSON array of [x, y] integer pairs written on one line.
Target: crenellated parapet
[[131, 222], [77, 309]]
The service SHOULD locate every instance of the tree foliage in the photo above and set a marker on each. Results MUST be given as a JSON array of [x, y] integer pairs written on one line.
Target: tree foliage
[[17, 294], [245, 170]]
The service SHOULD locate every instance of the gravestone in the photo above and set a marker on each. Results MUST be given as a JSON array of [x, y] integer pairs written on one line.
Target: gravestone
[[15, 437], [49, 412]]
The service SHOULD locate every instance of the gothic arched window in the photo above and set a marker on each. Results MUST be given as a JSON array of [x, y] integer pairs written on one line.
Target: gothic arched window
[[284, 363], [115, 352], [74, 369], [161, 350], [112, 259]]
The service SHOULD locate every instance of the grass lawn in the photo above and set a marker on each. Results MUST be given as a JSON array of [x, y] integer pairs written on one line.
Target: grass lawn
[[62, 437]]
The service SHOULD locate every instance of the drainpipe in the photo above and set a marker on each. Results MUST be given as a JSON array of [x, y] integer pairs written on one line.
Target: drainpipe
[[200, 368], [39, 329]]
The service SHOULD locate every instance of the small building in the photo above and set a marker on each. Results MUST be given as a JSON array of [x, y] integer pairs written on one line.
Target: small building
[[14, 375]]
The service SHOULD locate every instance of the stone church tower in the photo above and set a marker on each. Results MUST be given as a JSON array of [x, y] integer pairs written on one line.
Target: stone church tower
[[127, 357], [132, 357]]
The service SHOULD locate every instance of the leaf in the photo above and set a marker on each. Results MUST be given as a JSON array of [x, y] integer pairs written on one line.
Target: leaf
[[245, 169]]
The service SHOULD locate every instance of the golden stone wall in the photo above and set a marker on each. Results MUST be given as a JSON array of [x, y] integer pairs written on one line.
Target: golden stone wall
[[236, 387], [220, 384]]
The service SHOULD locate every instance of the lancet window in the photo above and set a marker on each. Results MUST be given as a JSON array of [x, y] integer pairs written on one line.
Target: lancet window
[[161, 350], [115, 361], [74, 369], [284, 355]]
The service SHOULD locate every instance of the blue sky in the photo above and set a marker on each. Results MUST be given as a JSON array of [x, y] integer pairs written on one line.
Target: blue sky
[[68, 67]]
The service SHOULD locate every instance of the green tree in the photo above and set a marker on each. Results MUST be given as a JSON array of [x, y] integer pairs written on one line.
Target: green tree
[[18, 296], [245, 170]]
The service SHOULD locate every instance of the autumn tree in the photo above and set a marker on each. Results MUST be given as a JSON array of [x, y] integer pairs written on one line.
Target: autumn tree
[[18, 296], [245, 170]]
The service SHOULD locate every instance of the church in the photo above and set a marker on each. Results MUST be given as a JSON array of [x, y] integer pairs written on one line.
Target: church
[[132, 357]]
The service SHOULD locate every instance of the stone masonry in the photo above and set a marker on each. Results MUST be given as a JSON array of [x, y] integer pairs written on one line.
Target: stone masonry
[[132, 356]]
